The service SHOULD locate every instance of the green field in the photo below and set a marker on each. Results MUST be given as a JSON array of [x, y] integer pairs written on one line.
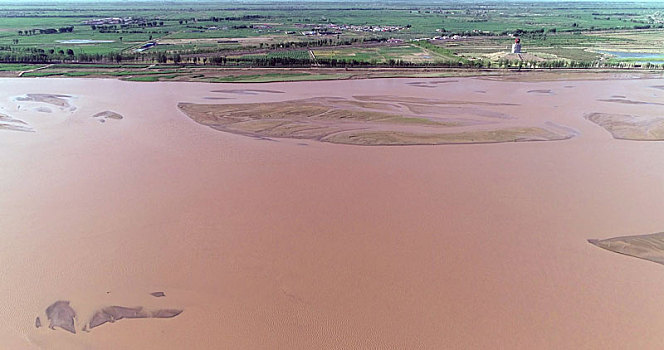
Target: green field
[[284, 34]]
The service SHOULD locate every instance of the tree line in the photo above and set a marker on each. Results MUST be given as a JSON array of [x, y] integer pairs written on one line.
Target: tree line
[[35, 31], [35, 55]]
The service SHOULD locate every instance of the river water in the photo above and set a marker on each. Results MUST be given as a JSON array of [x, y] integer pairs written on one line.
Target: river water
[[305, 245]]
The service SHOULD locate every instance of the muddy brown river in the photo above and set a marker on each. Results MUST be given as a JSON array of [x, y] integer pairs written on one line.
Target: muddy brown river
[[109, 192]]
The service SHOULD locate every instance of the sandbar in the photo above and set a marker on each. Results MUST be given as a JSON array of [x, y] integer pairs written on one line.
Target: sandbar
[[630, 102], [490, 136], [61, 315], [630, 127], [105, 115], [370, 121], [53, 99], [648, 247], [116, 313], [248, 91], [9, 123]]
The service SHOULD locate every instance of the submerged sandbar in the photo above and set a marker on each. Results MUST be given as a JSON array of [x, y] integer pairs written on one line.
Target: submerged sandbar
[[9, 123], [59, 100]]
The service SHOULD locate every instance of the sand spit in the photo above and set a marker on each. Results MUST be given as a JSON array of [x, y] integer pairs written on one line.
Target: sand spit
[[540, 91], [106, 115], [629, 102], [648, 247], [571, 76], [431, 84], [392, 98], [216, 98], [366, 122], [404, 138], [248, 91], [456, 111], [9, 123], [61, 315], [53, 99], [116, 313], [630, 127], [660, 87], [43, 110]]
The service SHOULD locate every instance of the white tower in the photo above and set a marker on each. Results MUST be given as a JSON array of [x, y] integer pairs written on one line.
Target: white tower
[[516, 47]]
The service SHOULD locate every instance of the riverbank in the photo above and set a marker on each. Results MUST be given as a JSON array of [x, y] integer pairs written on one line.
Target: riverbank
[[153, 73]]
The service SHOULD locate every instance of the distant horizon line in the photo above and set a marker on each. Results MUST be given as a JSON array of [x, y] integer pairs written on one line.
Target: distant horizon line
[[414, 2]]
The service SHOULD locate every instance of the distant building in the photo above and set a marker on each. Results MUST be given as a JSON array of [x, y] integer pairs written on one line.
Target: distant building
[[146, 46], [516, 47]]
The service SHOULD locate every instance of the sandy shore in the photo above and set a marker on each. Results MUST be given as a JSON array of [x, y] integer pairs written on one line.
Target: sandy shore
[[291, 243]]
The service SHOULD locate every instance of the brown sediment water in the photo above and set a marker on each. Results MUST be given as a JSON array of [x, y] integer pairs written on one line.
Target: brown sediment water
[[267, 244]]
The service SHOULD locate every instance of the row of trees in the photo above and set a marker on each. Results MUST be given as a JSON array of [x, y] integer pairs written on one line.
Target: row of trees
[[29, 32], [219, 19], [539, 32], [258, 61], [34, 55], [111, 28]]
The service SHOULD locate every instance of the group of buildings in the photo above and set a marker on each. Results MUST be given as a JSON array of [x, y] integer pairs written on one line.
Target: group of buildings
[[111, 20], [333, 29]]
